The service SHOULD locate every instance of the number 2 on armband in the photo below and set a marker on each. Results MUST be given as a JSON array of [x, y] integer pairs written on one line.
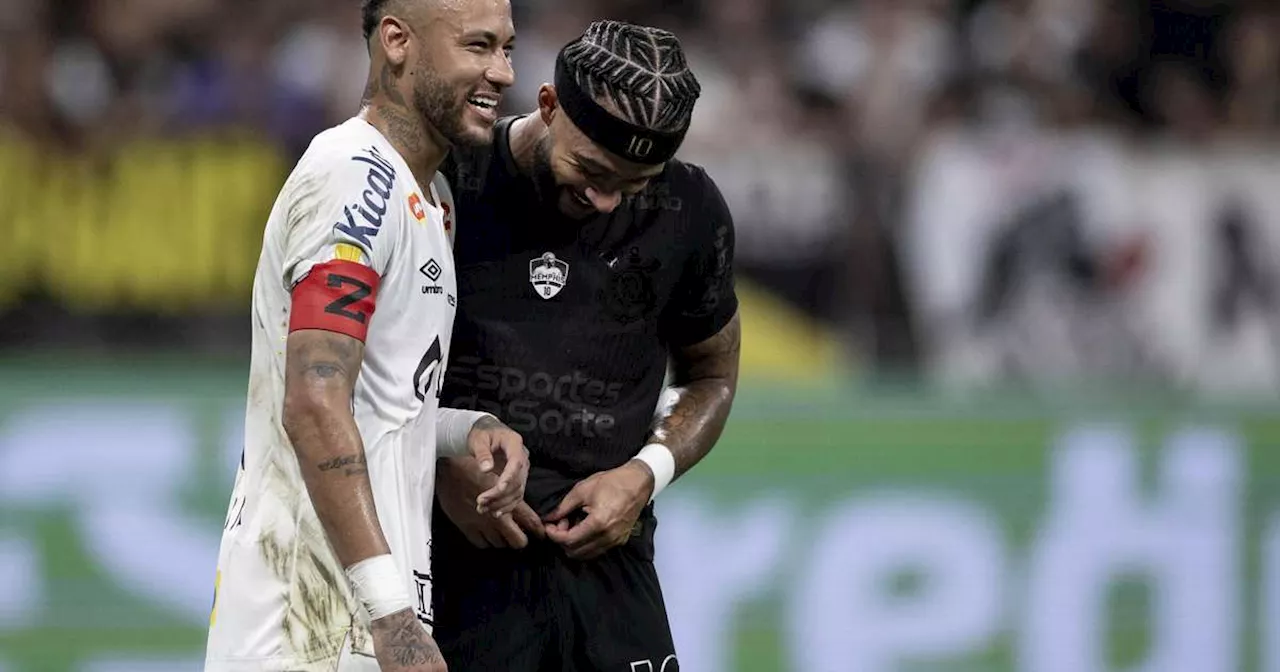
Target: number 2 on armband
[[339, 305]]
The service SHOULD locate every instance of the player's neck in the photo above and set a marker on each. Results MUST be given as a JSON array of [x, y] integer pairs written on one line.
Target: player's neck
[[422, 147], [523, 140]]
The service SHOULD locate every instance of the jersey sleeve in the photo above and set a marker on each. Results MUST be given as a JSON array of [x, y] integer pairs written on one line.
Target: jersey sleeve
[[342, 206], [342, 231], [705, 299]]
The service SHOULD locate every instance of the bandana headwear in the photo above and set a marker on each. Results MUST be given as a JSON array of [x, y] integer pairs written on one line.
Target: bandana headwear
[[631, 142]]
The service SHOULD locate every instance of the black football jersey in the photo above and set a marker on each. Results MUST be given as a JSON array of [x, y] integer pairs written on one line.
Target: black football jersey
[[564, 326]]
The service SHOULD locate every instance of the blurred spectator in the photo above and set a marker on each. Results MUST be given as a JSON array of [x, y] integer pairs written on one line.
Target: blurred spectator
[[982, 189]]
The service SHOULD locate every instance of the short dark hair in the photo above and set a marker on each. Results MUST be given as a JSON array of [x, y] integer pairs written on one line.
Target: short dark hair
[[371, 12], [640, 69]]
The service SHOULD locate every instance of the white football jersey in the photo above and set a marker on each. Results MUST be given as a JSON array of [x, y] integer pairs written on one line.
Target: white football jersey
[[282, 600]]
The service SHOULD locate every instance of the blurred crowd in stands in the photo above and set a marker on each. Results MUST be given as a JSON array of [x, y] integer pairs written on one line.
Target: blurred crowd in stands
[[857, 142]]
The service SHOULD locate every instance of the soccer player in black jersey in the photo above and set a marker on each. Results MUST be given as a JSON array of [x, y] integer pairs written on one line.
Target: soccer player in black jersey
[[588, 261]]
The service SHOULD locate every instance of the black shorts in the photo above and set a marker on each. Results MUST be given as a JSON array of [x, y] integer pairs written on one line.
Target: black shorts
[[535, 610]]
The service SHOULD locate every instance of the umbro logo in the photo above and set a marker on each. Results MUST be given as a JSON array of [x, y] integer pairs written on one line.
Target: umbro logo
[[433, 271]]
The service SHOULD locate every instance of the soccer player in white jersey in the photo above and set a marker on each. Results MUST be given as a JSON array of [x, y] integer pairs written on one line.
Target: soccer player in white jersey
[[325, 560]]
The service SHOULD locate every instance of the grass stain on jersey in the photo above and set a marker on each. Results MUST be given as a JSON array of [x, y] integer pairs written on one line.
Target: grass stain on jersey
[[319, 607], [318, 611]]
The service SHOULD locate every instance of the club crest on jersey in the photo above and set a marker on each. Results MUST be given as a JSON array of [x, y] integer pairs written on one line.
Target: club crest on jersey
[[415, 206], [548, 275]]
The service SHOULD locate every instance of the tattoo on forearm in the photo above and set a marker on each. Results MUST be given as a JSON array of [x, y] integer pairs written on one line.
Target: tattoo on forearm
[[324, 370], [350, 465], [685, 412], [407, 641], [318, 419], [706, 378], [328, 356], [692, 425]]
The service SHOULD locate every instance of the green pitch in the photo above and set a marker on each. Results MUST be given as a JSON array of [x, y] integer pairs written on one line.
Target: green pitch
[[814, 451]]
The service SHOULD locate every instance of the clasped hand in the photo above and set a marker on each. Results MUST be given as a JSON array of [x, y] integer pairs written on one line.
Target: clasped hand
[[598, 514]]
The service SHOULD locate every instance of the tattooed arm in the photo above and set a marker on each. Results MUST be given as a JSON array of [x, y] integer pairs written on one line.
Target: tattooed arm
[[320, 374], [696, 406], [706, 379]]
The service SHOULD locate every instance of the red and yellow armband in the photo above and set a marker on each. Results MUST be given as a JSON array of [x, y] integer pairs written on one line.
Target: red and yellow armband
[[335, 296]]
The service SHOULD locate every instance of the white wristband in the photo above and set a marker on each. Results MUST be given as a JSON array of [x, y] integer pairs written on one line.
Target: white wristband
[[453, 426], [661, 462], [378, 586]]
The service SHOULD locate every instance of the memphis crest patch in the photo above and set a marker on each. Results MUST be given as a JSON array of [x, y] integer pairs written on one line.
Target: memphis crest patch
[[548, 275]]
